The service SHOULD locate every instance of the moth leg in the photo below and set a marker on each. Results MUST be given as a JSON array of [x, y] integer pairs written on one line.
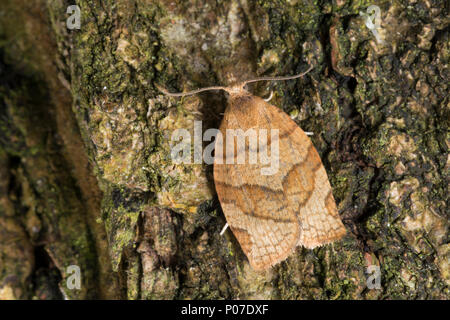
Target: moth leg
[[269, 98], [225, 227]]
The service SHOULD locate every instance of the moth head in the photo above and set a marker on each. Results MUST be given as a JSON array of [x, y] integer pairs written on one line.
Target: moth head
[[236, 89]]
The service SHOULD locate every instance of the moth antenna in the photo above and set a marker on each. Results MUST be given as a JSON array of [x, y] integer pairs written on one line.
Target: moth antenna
[[189, 93], [278, 78]]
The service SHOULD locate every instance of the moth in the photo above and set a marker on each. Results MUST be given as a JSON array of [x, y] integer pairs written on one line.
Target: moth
[[271, 214]]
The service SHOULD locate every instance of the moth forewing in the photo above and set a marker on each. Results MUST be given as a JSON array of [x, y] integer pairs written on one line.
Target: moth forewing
[[271, 214]]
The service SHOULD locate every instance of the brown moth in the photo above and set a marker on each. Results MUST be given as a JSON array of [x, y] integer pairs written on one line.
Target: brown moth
[[270, 215]]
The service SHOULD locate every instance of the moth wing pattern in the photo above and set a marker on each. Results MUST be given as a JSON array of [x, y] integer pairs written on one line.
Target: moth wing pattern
[[271, 214], [307, 185]]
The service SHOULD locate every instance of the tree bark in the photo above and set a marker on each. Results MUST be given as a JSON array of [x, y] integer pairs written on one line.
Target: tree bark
[[85, 172]]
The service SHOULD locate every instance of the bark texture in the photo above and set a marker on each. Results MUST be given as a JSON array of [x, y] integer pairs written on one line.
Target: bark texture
[[85, 172]]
